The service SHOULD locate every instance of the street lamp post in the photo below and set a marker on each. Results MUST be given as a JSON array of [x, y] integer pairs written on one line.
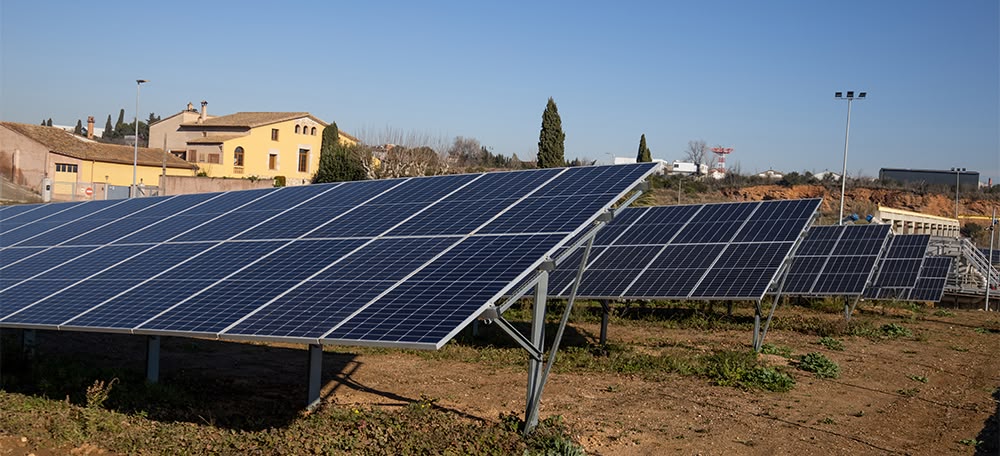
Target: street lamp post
[[847, 135], [958, 182], [135, 156]]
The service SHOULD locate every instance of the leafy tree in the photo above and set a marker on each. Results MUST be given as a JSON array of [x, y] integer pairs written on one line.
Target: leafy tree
[[79, 128], [551, 140], [644, 154], [48, 123], [153, 118], [108, 131]]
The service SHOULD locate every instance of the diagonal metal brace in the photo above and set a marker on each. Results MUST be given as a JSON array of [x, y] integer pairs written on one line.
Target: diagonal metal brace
[[523, 341]]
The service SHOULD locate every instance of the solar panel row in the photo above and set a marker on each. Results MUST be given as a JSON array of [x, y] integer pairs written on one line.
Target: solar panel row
[[931, 280], [835, 260], [712, 251], [899, 267], [394, 262]]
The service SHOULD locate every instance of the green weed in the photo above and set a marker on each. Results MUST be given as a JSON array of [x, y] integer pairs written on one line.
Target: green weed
[[820, 365], [831, 343], [918, 378], [779, 350]]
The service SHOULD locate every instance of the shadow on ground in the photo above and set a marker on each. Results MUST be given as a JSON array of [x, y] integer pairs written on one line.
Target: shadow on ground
[[240, 386], [989, 437]]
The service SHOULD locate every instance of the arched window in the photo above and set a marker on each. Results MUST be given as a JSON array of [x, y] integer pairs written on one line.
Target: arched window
[[314, 131], [238, 156], [298, 129]]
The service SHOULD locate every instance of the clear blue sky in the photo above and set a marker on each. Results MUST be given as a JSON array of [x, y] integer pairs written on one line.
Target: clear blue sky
[[757, 76]]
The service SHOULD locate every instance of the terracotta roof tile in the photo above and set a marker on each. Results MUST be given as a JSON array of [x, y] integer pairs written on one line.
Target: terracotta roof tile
[[250, 119], [65, 143], [213, 139]]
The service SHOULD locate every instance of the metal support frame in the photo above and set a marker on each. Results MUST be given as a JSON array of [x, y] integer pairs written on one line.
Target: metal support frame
[[315, 376], [605, 314], [28, 343], [152, 359], [850, 305]]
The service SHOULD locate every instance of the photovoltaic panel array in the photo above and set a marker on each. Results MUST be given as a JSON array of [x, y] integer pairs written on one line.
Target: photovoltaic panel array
[[993, 255], [931, 280], [402, 262], [899, 267], [835, 260], [708, 251]]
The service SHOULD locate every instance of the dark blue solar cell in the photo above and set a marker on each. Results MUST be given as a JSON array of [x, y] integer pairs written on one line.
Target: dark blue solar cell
[[511, 184], [898, 273], [83, 266], [665, 283], [741, 256], [725, 212], [229, 201], [777, 210], [350, 194], [286, 197], [816, 247], [39, 212], [770, 231], [16, 297], [642, 234], [13, 211], [666, 215], [747, 283], [217, 307], [299, 260], [454, 217], [126, 226], [546, 215], [312, 309], [19, 233], [70, 302], [8, 256], [227, 227], [488, 258], [295, 223], [600, 283], [386, 259], [166, 229], [622, 257], [77, 211], [424, 190], [41, 262], [836, 283], [64, 232], [218, 262], [593, 180], [707, 232], [687, 256], [366, 221], [152, 261], [139, 304]]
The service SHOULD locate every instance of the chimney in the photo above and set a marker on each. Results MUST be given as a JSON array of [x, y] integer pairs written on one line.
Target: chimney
[[90, 127], [190, 106], [204, 111]]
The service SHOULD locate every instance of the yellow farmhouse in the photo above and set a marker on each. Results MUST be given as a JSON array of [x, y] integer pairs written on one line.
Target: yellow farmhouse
[[79, 168], [246, 144]]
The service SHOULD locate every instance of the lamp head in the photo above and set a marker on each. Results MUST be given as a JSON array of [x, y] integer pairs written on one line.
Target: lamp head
[[141, 81]]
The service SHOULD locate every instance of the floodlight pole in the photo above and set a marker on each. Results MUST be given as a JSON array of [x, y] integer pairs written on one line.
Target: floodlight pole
[[135, 155], [958, 183], [847, 137], [989, 258]]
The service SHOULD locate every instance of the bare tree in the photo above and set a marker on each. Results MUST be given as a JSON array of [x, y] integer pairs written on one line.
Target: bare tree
[[696, 151], [465, 152], [398, 137], [401, 161]]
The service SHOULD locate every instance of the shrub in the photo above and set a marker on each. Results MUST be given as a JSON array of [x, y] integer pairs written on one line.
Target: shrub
[[894, 331], [743, 370], [820, 365], [831, 343]]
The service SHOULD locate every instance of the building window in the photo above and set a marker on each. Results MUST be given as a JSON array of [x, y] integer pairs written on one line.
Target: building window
[[66, 168], [303, 161], [314, 131], [298, 129], [272, 161], [238, 157], [215, 159], [274, 134], [181, 154]]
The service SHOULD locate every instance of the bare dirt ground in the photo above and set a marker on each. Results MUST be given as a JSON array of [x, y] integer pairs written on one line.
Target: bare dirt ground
[[933, 393]]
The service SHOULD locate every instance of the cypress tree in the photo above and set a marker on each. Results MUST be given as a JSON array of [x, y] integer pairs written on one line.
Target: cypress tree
[[121, 119], [49, 122], [79, 128], [43, 122], [327, 155], [551, 140], [107, 128], [644, 154]]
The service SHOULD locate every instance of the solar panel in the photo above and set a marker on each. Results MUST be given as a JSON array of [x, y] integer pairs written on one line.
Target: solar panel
[[835, 260], [402, 262], [993, 255], [899, 267], [710, 251], [931, 281]]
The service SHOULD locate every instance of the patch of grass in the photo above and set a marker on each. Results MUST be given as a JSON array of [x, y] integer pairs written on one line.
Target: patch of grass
[[827, 420], [971, 442], [959, 349], [894, 331], [908, 392], [943, 313], [779, 350], [743, 370], [820, 365], [918, 378], [831, 343]]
